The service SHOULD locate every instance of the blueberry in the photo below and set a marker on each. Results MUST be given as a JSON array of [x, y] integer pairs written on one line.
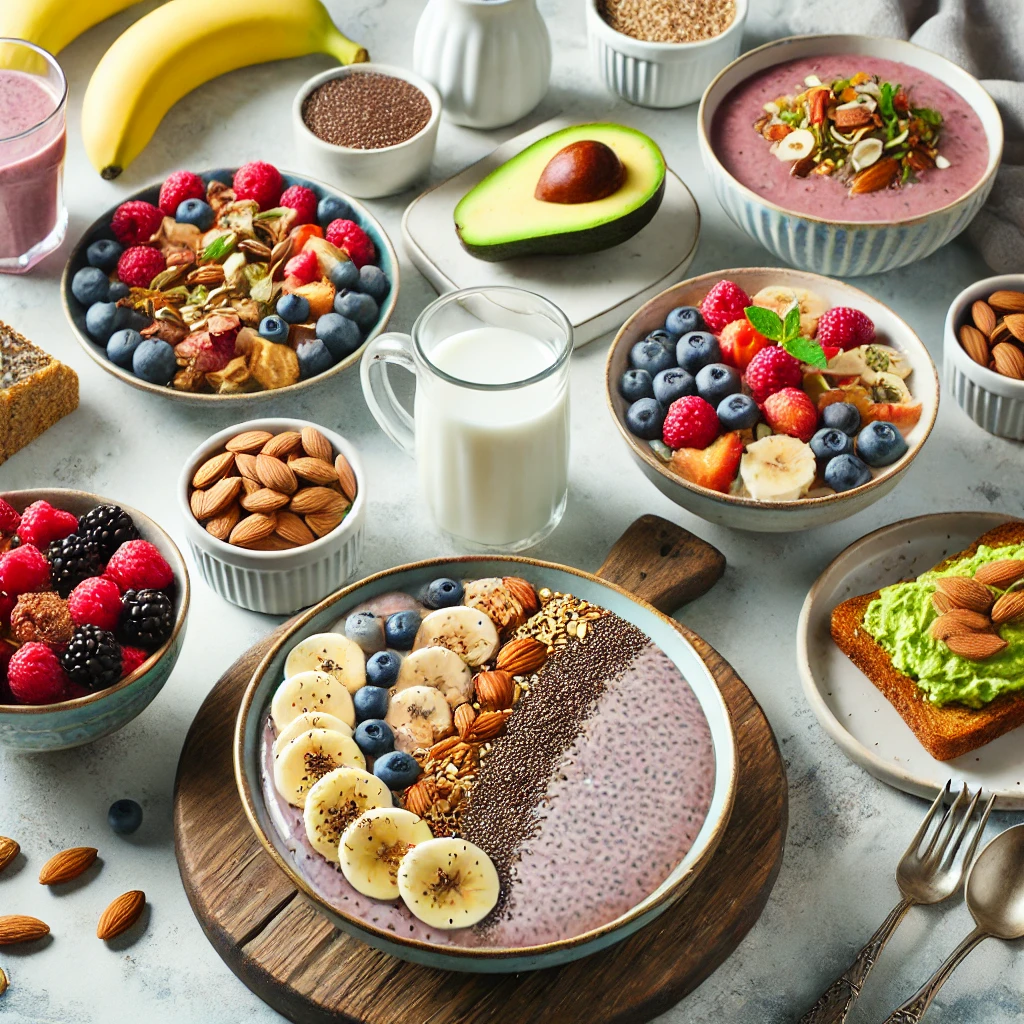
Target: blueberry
[[443, 593], [273, 328], [738, 412], [374, 282], [650, 355], [104, 254], [122, 345], [672, 384], [845, 472], [154, 362], [644, 418], [332, 208], [90, 285], [366, 630], [101, 320], [696, 350], [374, 737], [195, 211], [339, 334], [358, 307], [397, 770], [124, 817], [370, 702], [118, 290], [636, 384], [684, 319], [717, 381], [881, 444], [842, 416], [344, 275], [293, 309], [382, 669], [400, 629], [314, 358], [829, 442]]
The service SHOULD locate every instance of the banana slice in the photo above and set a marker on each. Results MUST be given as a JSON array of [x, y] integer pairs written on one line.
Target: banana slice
[[331, 653], [448, 883], [419, 716], [300, 764], [440, 668], [468, 632], [781, 299], [310, 720], [869, 359], [778, 468], [372, 848], [309, 692], [336, 801]]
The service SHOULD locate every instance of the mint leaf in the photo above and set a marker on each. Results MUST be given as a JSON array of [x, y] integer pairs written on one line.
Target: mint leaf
[[928, 115], [885, 95], [766, 322], [791, 326], [806, 351]]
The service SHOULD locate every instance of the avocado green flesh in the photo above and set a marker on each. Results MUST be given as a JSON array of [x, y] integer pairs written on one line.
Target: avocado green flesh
[[900, 619], [500, 217]]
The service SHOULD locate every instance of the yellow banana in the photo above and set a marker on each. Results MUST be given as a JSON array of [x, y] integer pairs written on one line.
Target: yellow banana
[[52, 24], [183, 44]]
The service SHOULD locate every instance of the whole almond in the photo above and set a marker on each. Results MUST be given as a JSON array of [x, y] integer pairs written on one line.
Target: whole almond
[[246, 465], [521, 657], [959, 621], [213, 469], [3, 982], [1001, 574], [966, 593], [318, 499], [252, 528], [197, 503], [1015, 324], [1000, 334], [282, 444], [975, 344], [983, 316], [316, 445], [316, 471], [487, 725], [249, 441], [523, 592], [346, 477], [1008, 360], [250, 486], [275, 474], [322, 523], [15, 928], [976, 646], [1008, 608], [420, 796], [293, 529], [464, 717], [264, 499], [494, 690], [942, 603], [876, 177], [9, 849], [1007, 301], [221, 496], [121, 914], [67, 865], [274, 542], [222, 525]]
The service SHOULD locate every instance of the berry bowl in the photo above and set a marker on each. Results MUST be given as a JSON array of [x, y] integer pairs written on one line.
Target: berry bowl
[[231, 299], [803, 420], [143, 628]]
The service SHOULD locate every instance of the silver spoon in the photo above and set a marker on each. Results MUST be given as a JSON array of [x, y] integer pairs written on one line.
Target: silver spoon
[[995, 898]]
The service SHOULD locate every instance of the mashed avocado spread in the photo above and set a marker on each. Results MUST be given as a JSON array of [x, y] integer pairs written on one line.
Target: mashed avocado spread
[[899, 620]]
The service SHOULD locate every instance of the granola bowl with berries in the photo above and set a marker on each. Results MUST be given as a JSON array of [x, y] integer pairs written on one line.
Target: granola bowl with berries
[[849, 155], [769, 399], [230, 285], [443, 759], [93, 602]]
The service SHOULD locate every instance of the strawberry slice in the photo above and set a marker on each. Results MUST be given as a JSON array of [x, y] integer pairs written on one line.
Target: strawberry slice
[[714, 467]]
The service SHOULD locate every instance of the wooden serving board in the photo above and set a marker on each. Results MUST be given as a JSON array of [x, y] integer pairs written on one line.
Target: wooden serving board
[[296, 961]]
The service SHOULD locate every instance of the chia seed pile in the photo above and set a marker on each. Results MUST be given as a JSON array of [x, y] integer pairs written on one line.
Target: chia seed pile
[[366, 111], [669, 21]]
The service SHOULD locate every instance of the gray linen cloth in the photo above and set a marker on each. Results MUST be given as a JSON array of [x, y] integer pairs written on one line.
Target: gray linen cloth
[[986, 37]]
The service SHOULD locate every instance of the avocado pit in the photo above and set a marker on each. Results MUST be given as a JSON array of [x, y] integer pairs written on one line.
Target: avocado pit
[[582, 172]]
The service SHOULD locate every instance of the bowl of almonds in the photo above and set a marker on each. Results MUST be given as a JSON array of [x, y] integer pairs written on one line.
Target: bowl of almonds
[[274, 513], [983, 354]]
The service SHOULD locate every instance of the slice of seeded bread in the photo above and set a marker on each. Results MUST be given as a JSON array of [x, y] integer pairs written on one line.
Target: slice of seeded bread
[[945, 732]]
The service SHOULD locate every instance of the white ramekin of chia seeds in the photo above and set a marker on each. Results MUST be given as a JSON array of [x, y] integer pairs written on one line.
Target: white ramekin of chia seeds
[[369, 129]]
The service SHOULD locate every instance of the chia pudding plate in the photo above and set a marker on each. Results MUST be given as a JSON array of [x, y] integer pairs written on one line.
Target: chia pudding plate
[[889, 143], [455, 766]]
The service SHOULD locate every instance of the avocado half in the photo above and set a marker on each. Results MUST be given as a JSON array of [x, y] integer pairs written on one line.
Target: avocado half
[[500, 218]]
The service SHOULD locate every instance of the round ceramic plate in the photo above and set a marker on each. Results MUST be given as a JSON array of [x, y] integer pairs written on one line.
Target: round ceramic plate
[[848, 705], [387, 260]]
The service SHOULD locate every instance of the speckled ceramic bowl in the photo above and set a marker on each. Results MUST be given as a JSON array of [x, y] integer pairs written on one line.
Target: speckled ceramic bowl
[[73, 723]]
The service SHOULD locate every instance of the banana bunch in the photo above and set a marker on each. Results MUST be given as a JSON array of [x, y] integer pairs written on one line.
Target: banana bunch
[[179, 46], [52, 24]]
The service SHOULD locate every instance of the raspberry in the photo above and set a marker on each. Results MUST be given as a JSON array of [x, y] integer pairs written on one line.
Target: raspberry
[[135, 222], [348, 235], [41, 523], [35, 675], [96, 602], [304, 267], [791, 411], [131, 659], [690, 423], [24, 570], [723, 304], [302, 200], [771, 370], [138, 565], [139, 265], [9, 518], [178, 187], [845, 327], [259, 181]]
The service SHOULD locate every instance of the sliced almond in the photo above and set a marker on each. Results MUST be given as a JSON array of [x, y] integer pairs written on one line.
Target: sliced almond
[[966, 593], [253, 528], [213, 469], [276, 474], [975, 344], [1008, 608], [1008, 360], [318, 499], [264, 500], [316, 445], [322, 523], [976, 646], [67, 865], [281, 444], [983, 316], [346, 477], [222, 525], [1007, 301], [121, 914], [249, 441], [293, 529], [316, 471], [221, 496], [1001, 574], [246, 465]]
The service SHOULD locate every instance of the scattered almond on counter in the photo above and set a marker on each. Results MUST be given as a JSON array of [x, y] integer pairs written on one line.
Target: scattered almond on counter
[[121, 914], [67, 865], [16, 928], [9, 849]]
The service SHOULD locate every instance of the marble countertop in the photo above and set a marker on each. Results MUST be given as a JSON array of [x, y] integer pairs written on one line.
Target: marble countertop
[[846, 829]]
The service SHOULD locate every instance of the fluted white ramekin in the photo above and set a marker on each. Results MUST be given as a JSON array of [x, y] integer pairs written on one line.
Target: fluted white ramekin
[[275, 582], [660, 74], [994, 402]]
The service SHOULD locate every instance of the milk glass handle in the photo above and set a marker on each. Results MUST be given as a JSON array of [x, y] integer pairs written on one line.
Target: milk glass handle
[[394, 420]]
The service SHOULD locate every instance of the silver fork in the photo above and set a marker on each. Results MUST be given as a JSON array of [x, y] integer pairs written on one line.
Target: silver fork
[[931, 870]]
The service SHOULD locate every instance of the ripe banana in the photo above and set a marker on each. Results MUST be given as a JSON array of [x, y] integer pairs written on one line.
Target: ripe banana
[[778, 468], [466, 631], [183, 44], [419, 716], [300, 765], [306, 721], [448, 883], [440, 668], [331, 653], [336, 801], [373, 846], [308, 692], [52, 24]]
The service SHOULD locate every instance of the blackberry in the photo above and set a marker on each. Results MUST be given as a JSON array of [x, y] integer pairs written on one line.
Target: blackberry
[[147, 619], [92, 658], [72, 559], [108, 527]]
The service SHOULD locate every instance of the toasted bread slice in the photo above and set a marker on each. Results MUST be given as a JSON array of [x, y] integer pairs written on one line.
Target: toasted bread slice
[[945, 732]]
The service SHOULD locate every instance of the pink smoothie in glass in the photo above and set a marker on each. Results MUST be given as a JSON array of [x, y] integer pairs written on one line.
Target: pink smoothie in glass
[[748, 158]]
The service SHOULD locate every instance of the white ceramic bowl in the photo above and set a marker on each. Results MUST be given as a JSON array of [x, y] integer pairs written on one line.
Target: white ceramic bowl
[[747, 513], [994, 402], [844, 249], [275, 582], [367, 173], [660, 74]]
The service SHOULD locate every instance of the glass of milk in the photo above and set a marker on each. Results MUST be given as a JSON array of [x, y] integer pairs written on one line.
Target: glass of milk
[[490, 424]]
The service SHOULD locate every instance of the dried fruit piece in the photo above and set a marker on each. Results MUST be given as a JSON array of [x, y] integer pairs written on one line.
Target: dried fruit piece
[[121, 914], [983, 316], [1008, 608], [1001, 574], [213, 469], [975, 344], [282, 444], [67, 865], [965, 593], [15, 928], [523, 656], [249, 441], [976, 646], [316, 445], [9, 849], [275, 474]]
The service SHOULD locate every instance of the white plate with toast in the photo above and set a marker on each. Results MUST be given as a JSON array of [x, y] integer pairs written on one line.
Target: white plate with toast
[[848, 705]]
